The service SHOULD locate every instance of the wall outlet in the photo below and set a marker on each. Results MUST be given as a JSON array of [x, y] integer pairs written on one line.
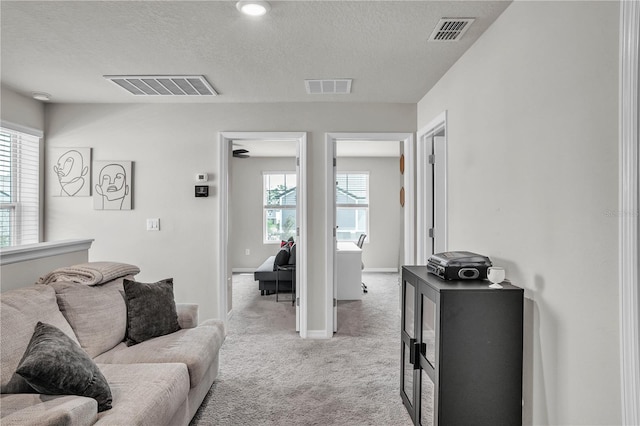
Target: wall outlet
[[247, 252]]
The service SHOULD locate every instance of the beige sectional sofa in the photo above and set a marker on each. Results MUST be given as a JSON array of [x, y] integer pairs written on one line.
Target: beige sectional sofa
[[161, 381]]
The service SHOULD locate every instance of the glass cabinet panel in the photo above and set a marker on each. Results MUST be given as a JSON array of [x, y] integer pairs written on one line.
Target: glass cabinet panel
[[409, 310], [407, 371], [429, 330], [426, 400]]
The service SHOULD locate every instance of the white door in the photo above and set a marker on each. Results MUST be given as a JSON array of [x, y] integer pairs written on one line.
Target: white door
[[431, 196], [298, 221], [335, 241], [439, 166]]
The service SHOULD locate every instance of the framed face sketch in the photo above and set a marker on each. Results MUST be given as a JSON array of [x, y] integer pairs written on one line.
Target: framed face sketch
[[71, 172], [112, 185]]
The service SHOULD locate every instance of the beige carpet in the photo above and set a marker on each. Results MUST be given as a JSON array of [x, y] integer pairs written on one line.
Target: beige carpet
[[269, 376]]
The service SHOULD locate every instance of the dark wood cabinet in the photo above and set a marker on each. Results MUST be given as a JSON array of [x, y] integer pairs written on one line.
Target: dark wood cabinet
[[461, 355]]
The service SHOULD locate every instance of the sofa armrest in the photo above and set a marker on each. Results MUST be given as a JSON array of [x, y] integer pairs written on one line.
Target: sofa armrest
[[187, 314]]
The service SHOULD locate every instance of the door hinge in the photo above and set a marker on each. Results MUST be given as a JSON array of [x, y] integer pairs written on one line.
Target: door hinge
[[335, 302], [432, 159], [334, 231], [335, 162], [297, 231], [297, 161], [431, 232], [297, 301]]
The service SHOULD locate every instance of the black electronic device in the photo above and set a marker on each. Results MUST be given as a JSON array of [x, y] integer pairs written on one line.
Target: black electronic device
[[459, 265]]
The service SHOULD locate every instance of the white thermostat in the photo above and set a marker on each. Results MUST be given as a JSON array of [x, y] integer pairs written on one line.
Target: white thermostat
[[202, 177]]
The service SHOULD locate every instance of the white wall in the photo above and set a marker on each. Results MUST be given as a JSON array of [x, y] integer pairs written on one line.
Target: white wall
[[19, 109], [246, 231], [246, 212], [169, 144], [532, 138]]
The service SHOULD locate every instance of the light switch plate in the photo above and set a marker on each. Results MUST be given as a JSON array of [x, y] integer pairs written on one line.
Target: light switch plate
[[153, 224]]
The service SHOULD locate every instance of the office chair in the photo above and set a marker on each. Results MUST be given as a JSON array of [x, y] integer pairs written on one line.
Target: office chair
[[360, 243]]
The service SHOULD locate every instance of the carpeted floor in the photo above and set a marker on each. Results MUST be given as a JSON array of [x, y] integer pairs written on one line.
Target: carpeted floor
[[270, 376]]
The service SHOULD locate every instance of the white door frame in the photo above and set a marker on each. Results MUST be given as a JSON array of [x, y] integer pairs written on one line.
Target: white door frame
[[424, 198], [629, 208], [409, 208], [226, 139]]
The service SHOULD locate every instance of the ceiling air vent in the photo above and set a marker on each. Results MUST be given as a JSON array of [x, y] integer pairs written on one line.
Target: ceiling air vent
[[451, 29], [341, 86], [165, 85]]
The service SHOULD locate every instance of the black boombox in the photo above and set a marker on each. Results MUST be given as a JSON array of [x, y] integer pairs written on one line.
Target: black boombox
[[458, 265]]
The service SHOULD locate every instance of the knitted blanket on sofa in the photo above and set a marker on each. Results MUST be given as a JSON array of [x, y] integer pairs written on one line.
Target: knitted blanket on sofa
[[90, 273]]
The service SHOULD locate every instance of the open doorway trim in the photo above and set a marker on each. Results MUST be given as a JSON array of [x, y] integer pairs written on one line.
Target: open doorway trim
[[226, 139], [409, 207], [629, 207], [423, 202]]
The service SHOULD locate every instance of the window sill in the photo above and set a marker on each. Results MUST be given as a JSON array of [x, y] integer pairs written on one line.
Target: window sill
[[27, 252]]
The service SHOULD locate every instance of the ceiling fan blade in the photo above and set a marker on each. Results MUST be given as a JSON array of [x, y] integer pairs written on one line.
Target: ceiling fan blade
[[240, 153]]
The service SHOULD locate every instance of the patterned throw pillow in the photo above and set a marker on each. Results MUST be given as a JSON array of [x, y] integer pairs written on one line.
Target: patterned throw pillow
[[151, 310], [53, 364]]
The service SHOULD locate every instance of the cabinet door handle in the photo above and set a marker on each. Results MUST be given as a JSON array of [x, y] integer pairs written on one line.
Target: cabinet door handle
[[413, 354]]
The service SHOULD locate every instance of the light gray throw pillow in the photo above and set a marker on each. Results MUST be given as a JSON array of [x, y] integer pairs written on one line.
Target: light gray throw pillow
[[97, 314]]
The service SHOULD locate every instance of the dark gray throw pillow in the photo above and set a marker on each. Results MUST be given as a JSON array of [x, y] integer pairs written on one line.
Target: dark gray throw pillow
[[53, 364], [281, 258], [151, 310], [292, 254]]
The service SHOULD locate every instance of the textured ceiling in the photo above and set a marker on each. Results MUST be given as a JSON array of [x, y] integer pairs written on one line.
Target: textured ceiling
[[65, 47]]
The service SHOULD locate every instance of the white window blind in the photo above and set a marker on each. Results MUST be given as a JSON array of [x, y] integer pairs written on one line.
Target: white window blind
[[19, 188]]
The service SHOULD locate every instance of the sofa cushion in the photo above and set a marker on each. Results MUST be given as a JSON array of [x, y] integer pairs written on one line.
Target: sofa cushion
[[47, 410], [20, 311], [97, 314], [54, 364], [144, 394], [195, 347], [151, 310]]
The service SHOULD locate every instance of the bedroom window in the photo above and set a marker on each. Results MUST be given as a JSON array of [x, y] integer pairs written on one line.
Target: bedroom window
[[352, 205], [19, 188], [279, 206]]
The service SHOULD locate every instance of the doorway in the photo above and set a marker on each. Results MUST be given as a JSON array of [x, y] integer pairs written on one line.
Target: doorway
[[404, 142], [431, 189], [227, 147]]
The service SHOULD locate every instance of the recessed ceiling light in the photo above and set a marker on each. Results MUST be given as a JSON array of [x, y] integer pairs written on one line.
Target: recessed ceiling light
[[41, 96], [253, 8]]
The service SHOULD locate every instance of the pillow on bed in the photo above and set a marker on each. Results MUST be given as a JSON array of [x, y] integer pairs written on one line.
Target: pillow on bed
[[281, 258]]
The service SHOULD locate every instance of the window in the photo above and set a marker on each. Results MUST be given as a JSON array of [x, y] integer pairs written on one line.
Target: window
[[352, 205], [279, 206], [19, 188]]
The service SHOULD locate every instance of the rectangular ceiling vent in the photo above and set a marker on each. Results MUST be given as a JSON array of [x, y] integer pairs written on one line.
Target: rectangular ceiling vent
[[164, 85], [451, 29], [340, 86]]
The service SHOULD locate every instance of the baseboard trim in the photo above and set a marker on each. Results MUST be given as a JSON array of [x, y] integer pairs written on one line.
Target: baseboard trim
[[380, 270], [318, 334], [242, 270]]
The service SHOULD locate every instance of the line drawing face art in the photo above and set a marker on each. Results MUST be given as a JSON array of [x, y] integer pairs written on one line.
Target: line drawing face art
[[72, 172], [112, 186]]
